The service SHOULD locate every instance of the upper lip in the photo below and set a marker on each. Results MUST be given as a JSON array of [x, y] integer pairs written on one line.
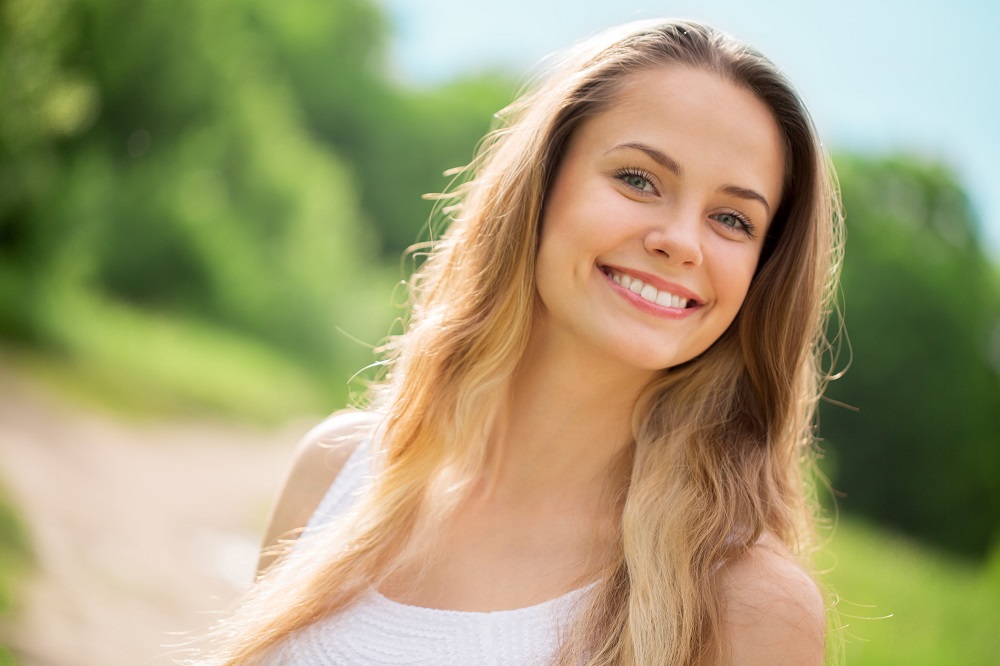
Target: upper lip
[[658, 282]]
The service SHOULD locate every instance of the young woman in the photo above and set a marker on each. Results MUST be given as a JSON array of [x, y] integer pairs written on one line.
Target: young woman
[[589, 447]]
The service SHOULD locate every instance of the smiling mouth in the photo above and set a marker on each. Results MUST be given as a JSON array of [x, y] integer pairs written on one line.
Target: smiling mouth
[[647, 291]]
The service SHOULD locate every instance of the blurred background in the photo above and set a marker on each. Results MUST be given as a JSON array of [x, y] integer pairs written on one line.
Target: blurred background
[[202, 212]]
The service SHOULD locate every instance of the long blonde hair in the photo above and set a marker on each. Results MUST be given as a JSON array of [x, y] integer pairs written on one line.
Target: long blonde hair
[[720, 442]]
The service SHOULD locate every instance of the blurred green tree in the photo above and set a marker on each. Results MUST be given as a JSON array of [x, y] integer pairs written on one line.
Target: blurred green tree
[[398, 140], [923, 315], [152, 153]]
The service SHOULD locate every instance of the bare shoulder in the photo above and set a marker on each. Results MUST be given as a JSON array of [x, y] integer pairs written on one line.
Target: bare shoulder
[[316, 461], [773, 611]]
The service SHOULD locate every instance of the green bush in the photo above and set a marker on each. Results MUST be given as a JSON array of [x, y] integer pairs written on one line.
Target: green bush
[[922, 308]]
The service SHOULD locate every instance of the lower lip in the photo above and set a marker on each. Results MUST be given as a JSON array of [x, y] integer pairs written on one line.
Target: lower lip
[[640, 303]]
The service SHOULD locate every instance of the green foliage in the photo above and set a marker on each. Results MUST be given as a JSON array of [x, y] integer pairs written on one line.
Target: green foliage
[[238, 163], [922, 311], [398, 141], [229, 167], [178, 177], [903, 603], [407, 142]]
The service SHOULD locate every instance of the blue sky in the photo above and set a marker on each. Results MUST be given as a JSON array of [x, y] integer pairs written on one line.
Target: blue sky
[[879, 76]]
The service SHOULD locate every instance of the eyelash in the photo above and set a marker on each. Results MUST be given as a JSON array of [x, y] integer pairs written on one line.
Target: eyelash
[[745, 225], [632, 172]]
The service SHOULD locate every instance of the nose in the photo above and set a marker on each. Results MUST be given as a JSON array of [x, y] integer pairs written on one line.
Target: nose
[[677, 238]]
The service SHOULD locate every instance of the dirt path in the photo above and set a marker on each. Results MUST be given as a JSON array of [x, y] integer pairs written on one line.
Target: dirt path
[[139, 529]]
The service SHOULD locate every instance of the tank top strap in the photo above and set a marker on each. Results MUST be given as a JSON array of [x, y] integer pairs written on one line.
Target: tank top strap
[[350, 483]]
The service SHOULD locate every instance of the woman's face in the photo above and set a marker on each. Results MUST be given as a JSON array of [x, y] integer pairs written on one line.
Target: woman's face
[[655, 220]]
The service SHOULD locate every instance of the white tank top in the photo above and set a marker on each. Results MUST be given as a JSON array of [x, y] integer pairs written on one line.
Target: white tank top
[[377, 630]]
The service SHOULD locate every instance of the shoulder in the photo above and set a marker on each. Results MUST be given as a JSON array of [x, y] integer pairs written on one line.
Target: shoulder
[[322, 452], [773, 611], [316, 462]]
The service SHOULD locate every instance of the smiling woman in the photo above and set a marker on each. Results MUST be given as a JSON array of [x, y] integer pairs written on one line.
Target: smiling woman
[[590, 447], [667, 190]]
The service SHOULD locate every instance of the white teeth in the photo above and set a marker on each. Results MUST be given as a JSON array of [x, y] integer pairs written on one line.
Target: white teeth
[[647, 291]]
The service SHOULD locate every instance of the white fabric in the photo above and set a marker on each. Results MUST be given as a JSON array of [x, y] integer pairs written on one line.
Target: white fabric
[[377, 630]]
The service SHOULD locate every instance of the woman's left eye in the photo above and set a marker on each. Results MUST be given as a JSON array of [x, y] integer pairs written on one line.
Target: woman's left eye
[[736, 221], [637, 180]]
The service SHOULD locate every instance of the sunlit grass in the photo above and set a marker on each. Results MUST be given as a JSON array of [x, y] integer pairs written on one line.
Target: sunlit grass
[[135, 361], [904, 603]]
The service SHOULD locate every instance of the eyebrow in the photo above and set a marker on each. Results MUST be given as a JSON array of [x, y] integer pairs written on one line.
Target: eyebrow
[[744, 193], [657, 156], [671, 165]]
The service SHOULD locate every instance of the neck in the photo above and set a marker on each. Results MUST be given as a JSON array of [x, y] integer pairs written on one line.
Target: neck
[[565, 427]]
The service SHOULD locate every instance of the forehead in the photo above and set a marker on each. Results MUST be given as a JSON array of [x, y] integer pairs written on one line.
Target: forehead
[[711, 126]]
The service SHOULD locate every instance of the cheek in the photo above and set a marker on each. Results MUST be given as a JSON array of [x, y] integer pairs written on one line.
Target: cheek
[[733, 274], [548, 257], [562, 237]]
